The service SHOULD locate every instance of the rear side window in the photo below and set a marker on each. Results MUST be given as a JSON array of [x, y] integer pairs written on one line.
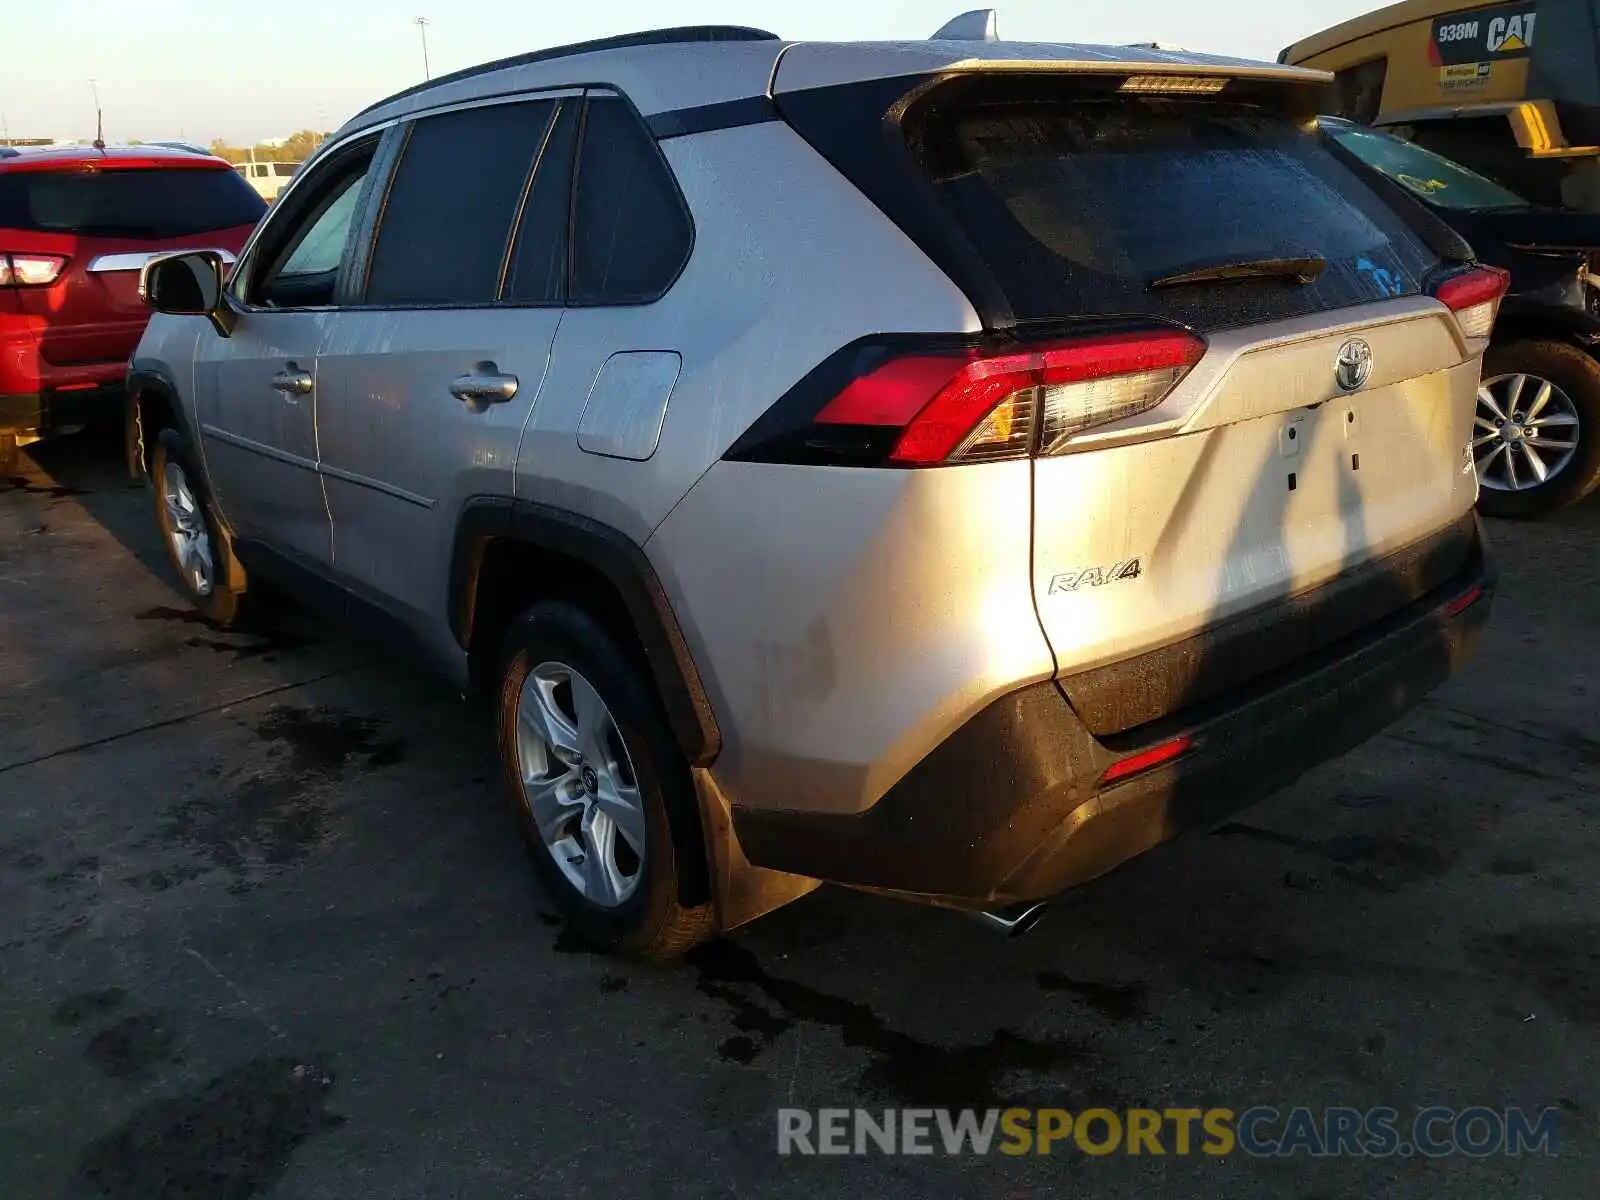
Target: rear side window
[[447, 221], [165, 203], [1077, 208], [632, 231]]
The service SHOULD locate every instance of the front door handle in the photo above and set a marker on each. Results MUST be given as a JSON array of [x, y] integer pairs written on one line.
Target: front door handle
[[292, 382], [485, 385]]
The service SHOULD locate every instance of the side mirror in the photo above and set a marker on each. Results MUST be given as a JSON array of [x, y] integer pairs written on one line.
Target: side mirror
[[188, 285]]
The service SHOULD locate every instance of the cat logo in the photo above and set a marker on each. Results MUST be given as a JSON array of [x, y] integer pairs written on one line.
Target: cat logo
[[1507, 35]]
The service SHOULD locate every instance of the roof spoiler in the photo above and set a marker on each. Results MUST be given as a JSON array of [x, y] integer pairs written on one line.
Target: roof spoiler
[[978, 25]]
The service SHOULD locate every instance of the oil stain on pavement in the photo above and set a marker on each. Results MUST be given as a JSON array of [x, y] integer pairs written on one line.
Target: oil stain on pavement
[[274, 818], [229, 1140], [910, 1069]]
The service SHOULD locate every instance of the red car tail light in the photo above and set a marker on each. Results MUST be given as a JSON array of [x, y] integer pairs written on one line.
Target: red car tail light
[[931, 408], [30, 270], [1474, 297]]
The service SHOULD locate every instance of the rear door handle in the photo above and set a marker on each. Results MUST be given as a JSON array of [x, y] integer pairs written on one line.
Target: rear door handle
[[292, 382], [485, 385]]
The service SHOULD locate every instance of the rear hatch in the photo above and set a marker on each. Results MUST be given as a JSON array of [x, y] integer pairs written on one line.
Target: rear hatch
[[1143, 200], [99, 226]]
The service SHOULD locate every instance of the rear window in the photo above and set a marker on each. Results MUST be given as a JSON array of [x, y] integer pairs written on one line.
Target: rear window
[[1078, 207], [1055, 196], [165, 203]]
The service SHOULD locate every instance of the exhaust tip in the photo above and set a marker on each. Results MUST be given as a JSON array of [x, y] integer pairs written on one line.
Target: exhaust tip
[[1014, 920]]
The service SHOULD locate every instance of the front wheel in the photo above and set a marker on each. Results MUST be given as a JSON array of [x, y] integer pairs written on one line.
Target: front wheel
[[600, 787], [196, 546], [1536, 438]]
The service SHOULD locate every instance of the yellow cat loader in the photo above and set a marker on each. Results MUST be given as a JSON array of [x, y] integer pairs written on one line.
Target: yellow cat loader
[[1510, 89]]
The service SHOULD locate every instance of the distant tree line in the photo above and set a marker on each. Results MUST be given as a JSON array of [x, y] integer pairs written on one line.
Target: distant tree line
[[296, 148]]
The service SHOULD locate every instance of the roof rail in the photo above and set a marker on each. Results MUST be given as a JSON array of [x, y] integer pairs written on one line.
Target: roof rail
[[652, 37], [979, 25]]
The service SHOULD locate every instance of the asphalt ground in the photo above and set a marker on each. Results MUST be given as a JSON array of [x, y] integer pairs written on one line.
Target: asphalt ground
[[266, 929]]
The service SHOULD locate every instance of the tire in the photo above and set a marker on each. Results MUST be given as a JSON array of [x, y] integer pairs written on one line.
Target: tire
[[1575, 395], [648, 900], [10, 457], [217, 591]]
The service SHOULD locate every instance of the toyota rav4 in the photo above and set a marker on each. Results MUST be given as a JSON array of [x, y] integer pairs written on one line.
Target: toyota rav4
[[943, 468]]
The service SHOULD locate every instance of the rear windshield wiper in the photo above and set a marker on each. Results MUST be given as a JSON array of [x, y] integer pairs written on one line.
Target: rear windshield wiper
[[1293, 270]]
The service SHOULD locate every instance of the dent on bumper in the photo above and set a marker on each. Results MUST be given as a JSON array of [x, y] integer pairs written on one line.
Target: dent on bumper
[[1010, 807]]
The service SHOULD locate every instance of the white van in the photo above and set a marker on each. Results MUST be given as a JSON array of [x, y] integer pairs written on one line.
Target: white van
[[268, 178]]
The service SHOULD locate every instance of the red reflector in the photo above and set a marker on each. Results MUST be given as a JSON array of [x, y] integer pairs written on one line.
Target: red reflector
[[1475, 287], [77, 387], [937, 400], [1146, 759], [1464, 601]]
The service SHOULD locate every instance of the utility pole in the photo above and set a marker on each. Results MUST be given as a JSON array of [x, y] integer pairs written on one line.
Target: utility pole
[[422, 25]]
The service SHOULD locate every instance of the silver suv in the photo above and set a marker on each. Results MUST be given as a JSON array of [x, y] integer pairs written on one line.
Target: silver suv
[[943, 468]]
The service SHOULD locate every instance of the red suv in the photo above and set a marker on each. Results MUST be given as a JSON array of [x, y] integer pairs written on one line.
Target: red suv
[[76, 225]]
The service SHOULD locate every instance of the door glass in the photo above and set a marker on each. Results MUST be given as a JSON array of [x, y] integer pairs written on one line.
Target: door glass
[[448, 217], [632, 229], [303, 267], [323, 244], [539, 256]]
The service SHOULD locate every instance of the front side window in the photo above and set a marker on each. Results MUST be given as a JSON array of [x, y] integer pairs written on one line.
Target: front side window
[[302, 250]]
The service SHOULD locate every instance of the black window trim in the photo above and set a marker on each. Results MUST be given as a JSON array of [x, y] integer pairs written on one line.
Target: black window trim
[[391, 137], [399, 130]]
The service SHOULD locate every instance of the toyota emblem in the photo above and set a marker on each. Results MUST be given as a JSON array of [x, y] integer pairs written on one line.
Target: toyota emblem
[[1353, 367]]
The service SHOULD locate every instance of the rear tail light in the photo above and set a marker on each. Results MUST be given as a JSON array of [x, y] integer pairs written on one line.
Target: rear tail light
[[924, 409], [1474, 297], [30, 270]]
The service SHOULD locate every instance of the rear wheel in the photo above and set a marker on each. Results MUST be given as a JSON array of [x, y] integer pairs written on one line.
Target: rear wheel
[[600, 787], [1536, 439], [195, 543]]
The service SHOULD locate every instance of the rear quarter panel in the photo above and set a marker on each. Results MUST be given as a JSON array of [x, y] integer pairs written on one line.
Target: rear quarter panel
[[789, 263]]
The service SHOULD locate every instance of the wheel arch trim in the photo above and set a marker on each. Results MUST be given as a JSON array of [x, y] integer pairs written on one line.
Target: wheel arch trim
[[147, 376], [625, 566]]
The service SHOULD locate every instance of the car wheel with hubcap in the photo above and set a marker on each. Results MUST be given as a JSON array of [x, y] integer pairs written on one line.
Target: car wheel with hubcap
[[1536, 436], [195, 544], [600, 787]]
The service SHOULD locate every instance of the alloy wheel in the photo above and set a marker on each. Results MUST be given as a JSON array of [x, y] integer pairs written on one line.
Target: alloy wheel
[[579, 784], [1525, 434], [186, 530]]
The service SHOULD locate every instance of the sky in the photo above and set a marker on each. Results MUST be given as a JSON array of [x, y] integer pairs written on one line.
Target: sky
[[249, 70]]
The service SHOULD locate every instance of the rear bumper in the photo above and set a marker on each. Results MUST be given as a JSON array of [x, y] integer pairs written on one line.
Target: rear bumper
[[51, 411], [1011, 807]]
